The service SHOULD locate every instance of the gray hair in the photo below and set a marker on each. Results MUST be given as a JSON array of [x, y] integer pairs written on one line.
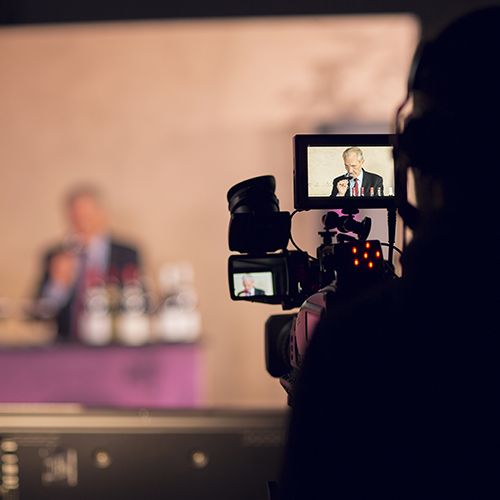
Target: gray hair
[[83, 190], [352, 150]]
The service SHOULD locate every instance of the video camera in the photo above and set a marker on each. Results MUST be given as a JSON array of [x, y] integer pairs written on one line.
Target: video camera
[[268, 272]]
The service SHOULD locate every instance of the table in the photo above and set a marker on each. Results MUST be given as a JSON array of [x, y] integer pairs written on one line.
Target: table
[[153, 376]]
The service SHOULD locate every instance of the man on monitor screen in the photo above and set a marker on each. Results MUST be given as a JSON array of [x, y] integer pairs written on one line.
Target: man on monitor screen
[[357, 181], [249, 287]]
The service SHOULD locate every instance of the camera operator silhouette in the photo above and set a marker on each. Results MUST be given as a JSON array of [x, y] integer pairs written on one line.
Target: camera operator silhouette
[[357, 181], [398, 395], [249, 287]]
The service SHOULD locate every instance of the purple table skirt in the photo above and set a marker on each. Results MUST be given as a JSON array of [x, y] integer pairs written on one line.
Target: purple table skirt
[[153, 376]]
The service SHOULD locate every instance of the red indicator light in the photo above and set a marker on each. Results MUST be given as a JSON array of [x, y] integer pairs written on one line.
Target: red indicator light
[[377, 254], [370, 264], [365, 255], [354, 250], [367, 244], [356, 262]]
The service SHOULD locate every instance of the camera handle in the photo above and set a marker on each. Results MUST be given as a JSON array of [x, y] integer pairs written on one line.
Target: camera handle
[[345, 224], [327, 236]]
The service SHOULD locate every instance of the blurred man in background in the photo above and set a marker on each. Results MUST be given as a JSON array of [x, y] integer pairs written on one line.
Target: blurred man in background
[[87, 256]]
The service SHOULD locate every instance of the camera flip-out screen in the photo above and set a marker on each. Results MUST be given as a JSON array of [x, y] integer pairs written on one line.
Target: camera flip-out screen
[[344, 171], [259, 279]]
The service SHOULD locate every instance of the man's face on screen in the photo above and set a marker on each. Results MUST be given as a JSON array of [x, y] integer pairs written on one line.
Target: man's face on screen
[[352, 165], [248, 284]]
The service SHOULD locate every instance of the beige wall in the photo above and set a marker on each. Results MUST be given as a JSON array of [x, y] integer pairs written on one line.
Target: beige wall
[[166, 117]]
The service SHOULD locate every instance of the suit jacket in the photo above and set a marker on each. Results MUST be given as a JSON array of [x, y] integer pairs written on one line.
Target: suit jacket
[[258, 291], [119, 257], [369, 181]]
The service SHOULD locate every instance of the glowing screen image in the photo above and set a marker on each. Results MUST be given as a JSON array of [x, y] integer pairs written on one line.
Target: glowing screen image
[[250, 284], [326, 164]]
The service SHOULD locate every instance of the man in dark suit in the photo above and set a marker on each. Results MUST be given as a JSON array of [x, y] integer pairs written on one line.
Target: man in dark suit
[[357, 182], [88, 256], [249, 287]]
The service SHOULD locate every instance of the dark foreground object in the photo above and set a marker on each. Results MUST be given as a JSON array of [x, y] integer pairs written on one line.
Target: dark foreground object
[[68, 453]]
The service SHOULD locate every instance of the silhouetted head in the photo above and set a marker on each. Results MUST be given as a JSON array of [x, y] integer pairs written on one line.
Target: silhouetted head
[[448, 137]]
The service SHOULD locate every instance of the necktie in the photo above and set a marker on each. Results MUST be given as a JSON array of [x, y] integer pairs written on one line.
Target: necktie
[[79, 298], [355, 188]]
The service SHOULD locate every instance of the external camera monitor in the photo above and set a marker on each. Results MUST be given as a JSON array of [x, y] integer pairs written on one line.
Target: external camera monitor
[[344, 171]]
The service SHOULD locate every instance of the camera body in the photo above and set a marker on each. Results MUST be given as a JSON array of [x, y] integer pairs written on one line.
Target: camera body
[[345, 262], [356, 265]]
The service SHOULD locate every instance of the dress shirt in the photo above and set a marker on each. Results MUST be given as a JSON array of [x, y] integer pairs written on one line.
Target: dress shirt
[[97, 254], [360, 184]]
